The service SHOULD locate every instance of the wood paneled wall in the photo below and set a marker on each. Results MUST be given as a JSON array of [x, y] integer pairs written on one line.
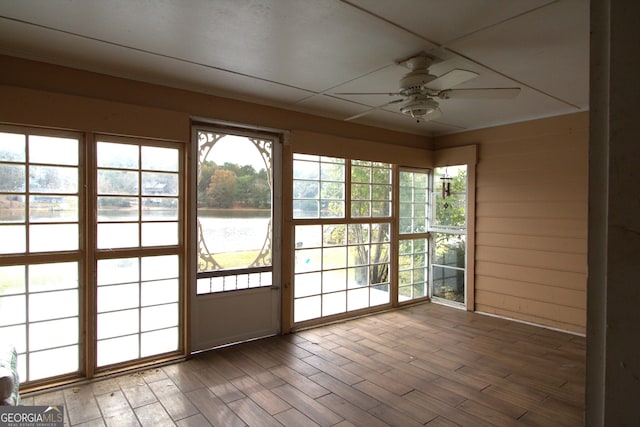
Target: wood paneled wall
[[531, 219]]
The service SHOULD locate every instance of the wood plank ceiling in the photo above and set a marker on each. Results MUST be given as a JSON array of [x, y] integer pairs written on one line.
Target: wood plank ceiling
[[297, 54]]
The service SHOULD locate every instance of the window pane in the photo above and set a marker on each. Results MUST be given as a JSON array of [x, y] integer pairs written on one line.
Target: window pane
[[306, 189], [368, 267], [306, 170], [379, 294], [369, 198], [13, 208], [12, 178], [358, 276], [53, 305], [14, 310], [448, 283], [160, 267], [120, 156], [308, 260], [160, 292], [450, 250], [358, 233], [117, 209], [117, 182], [49, 238], [332, 209], [332, 191], [14, 239], [111, 236], [307, 308], [357, 299], [320, 180], [118, 297], [306, 209], [412, 266], [308, 284], [159, 184], [116, 350], [122, 270], [334, 257], [450, 197], [334, 234], [413, 210], [118, 323], [53, 150], [334, 280], [58, 361], [53, 179], [158, 342], [12, 279], [160, 234], [158, 317], [159, 209], [361, 174], [50, 277], [334, 303], [160, 159], [12, 147], [53, 208], [16, 335], [234, 198], [308, 236], [54, 333]]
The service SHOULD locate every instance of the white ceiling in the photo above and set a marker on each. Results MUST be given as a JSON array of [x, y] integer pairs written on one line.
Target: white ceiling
[[296, 54]]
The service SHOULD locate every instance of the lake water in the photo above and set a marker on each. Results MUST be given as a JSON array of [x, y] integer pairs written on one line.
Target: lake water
[[225, 230], [233, 230]]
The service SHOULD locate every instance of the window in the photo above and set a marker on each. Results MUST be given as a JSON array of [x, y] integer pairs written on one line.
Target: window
[[449, 230], [47, 234], [138, 207], [234, 212], [137, 195], [318, 187], [340, 266], [413, 253], [40, 212], [370, 189]]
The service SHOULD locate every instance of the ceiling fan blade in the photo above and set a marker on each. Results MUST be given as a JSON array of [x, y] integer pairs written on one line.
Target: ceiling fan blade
[[368, 93], [485, 93], [451, 79], [370, 110]]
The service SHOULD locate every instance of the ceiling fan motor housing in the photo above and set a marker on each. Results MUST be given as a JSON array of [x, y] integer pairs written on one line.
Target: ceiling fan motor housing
[[415, 80]]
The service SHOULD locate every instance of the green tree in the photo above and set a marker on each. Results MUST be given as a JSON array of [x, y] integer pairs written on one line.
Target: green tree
[[221, 191], [207, 169]]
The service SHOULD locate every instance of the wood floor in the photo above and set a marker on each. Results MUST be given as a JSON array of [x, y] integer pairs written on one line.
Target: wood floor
[[424, 365]]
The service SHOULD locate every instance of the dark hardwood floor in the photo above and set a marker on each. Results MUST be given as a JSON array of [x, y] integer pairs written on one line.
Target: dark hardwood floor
[[424, 365]]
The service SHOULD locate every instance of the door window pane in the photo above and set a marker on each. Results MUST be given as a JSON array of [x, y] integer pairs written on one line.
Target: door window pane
[[234, 216], [450, 197], [412, 269]]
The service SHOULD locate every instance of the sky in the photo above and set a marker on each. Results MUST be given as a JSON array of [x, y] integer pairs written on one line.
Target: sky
[[238, 150]]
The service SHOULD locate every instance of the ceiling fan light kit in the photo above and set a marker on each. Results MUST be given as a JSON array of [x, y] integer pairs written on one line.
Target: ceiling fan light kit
[[421, 108]]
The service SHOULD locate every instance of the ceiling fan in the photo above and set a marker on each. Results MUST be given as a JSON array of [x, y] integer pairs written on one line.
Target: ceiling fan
[[419, 90]]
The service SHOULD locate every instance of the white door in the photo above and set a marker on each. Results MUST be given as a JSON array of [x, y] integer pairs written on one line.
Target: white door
[[236, 292]]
